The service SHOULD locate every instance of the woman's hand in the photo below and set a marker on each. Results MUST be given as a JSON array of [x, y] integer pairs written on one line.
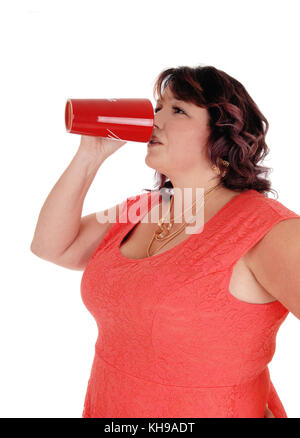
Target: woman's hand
[[99, 147], [268, 412]]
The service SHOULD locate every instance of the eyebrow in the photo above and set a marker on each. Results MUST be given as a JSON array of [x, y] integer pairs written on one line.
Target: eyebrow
[[174, 100]]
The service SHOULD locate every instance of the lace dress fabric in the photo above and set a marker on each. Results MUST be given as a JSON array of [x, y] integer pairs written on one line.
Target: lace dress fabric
[[172, 340]]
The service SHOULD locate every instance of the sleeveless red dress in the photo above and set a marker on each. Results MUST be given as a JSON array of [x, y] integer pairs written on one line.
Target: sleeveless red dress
[[172, 340]]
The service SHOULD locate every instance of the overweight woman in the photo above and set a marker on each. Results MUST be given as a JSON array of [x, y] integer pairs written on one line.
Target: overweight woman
[[189, 281]]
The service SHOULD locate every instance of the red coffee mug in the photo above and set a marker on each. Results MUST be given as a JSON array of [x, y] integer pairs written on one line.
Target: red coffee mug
[[122, 119]]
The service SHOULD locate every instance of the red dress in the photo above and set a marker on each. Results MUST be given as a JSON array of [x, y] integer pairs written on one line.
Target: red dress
[[172, 340]]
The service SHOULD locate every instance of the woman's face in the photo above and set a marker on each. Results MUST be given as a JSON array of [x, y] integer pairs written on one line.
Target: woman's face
[[182, 128]]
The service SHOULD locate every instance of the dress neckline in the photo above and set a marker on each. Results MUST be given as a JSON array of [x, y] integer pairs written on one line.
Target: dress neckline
[[175, 249]]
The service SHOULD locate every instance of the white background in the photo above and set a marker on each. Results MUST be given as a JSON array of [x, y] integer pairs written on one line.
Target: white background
[[51, 51]]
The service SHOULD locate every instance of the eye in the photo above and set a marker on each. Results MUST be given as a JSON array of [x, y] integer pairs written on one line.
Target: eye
[[173, 107]]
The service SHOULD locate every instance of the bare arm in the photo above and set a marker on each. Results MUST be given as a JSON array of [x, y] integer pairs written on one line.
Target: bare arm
[[59, 222], [59, 219]]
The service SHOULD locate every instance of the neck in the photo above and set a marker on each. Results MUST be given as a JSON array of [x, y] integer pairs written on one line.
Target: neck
[[186, 203]]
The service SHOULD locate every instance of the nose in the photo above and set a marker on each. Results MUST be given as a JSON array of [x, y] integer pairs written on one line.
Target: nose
[[156, 131], [156, 118]]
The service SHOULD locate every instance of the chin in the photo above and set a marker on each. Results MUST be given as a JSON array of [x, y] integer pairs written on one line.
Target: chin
[[148, 163]]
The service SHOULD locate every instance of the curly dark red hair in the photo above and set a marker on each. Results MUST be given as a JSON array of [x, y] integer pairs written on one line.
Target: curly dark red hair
[[237, 126]]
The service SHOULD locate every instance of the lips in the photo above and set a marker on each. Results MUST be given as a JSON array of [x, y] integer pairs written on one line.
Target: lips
[[152, 145]]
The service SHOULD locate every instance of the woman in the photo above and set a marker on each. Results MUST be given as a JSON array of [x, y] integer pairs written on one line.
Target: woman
[[187, 321]]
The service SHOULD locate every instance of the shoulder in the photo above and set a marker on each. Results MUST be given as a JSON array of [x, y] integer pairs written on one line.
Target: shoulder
[[271, 205], [283, 228], [283, 224], [283, 235], [275, 258]]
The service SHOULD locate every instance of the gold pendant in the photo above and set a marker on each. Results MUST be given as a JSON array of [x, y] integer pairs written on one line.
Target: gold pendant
[[163, 231]]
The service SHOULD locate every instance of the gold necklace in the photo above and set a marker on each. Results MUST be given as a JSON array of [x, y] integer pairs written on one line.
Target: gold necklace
[[163, 232]]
